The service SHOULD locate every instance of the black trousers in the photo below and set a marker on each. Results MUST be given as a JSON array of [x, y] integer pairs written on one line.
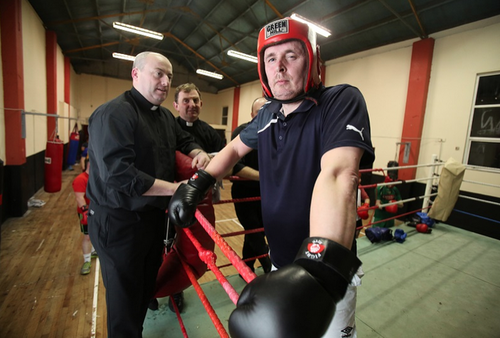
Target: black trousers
[[130, 246], [250, 216]]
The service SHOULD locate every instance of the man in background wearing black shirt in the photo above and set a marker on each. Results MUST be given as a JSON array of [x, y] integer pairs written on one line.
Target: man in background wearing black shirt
[[250, 213], [188, 104]]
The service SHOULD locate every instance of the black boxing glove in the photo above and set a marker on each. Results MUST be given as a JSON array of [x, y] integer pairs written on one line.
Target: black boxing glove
[[183, 203], [299, 299]]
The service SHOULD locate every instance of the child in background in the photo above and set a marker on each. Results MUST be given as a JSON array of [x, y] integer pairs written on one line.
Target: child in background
[[386, 194]]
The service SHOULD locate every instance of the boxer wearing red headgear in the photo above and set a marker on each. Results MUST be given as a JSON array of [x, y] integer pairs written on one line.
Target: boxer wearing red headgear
[[281, 31], [311, 141]]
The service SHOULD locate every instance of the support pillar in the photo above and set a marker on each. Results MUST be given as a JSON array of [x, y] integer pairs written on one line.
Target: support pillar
[[416, 101], [236, 107], [13, 80], [51, 67]]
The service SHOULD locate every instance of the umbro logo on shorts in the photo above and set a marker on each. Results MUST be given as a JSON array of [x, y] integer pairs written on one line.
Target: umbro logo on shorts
[[347, 332]]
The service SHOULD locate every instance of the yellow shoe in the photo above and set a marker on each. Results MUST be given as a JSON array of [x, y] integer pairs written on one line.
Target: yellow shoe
[[85, 270]]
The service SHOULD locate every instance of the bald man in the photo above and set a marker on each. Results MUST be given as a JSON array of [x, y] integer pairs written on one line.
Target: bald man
[[133, 140]]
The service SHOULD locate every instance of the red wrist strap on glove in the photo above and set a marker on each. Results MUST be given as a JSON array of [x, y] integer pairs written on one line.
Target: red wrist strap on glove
[[202, 181], [319, 256]]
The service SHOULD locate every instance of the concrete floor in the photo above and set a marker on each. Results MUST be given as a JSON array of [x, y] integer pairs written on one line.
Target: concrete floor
[[443, 284]]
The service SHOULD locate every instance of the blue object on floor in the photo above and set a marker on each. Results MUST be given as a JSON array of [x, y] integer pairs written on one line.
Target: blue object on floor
[[400, 235]]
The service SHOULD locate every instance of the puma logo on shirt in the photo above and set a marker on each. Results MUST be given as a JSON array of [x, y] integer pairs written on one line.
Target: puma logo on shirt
[[353, 128]]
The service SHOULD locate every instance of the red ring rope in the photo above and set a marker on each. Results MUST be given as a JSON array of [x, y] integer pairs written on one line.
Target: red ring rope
[[248, 199], [245, 272], [208, 257], [204, 300]]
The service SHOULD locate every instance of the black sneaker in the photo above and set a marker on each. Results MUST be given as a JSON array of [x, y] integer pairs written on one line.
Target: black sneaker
[[179, 301], [153, 304]]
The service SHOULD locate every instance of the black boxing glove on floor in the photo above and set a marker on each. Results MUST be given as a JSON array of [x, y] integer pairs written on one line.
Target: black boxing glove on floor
[[299, 299], [186, 198]]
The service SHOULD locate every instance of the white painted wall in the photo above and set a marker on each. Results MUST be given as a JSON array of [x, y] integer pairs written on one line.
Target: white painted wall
[[249, 92], [212, 109], [35, 80], [96, 90], [458, 58], [382, 77]]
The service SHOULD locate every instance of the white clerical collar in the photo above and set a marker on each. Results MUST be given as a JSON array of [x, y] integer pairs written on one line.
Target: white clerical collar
[[154, 107], [189, 124]]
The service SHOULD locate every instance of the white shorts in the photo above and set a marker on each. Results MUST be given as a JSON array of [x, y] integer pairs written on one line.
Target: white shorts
[[343, 324]]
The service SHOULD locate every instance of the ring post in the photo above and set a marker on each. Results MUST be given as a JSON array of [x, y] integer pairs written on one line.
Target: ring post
[[428, 185]]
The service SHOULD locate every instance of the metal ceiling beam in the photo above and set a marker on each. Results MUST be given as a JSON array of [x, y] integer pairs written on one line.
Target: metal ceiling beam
[[343, 10], [200, 56], [74, 27], [396, 14], [424, 34], [217, 33], [97, 46], [98, 23], [205, 22], [100, 17], [278, 14], [335, 38], [245, 35]]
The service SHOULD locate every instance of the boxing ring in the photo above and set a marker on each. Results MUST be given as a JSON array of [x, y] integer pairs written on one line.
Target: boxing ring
[[208, 257]]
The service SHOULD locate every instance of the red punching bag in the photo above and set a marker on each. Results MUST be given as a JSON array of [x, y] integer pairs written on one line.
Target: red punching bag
[[53, 165]]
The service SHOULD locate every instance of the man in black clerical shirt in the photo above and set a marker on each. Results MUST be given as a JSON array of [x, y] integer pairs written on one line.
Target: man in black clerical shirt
[[188, 104], [133, 140]]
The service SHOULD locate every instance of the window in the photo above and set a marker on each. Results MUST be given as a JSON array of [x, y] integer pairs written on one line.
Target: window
[[483, 141], [224, 116]]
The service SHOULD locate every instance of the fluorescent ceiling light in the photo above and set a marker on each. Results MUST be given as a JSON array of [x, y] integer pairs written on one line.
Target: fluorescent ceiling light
[[123, 56], [211, 74], [243, 56], [138, 30], [317, 28]]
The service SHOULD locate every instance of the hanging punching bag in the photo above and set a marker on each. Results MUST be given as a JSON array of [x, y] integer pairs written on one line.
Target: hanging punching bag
[[53, 165]]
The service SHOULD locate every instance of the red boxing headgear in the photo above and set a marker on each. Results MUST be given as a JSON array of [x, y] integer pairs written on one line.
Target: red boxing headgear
[[283, 30]]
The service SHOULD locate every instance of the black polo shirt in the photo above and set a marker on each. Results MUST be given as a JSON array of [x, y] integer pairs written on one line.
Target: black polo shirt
[[132, 142], [245, 188], [290, 150], [204, 134]]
